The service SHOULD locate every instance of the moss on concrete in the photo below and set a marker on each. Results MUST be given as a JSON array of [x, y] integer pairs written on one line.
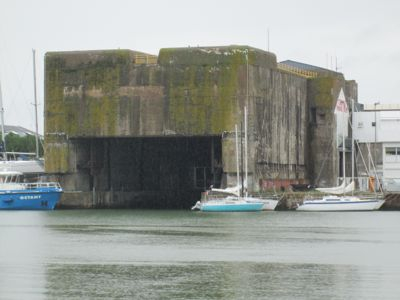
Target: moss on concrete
[[83, 114], [320, 92], [202, 87]]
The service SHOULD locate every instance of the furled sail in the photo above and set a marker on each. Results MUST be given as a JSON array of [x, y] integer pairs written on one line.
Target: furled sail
[[235, 190], [342, 189]]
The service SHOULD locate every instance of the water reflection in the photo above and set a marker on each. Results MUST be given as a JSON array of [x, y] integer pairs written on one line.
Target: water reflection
[[184, 255], [218, 281], [22, 255]]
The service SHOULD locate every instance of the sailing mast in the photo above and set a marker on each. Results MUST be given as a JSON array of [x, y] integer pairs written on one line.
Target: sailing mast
[[245, 122], [352, 140], [344, 156], [245, 151], [3, 139], [241, 160], [36, 105], [237, 156]]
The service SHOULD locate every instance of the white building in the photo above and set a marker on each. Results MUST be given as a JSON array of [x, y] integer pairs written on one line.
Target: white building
[[384, 141]]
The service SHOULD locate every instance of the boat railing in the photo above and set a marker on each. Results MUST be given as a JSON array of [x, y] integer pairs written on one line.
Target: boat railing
[[36, 185], [217, 195], [267, 197], [206, 196]]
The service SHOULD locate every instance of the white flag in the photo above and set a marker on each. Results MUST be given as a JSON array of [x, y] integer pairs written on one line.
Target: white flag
[[341, 104], [342, 117]]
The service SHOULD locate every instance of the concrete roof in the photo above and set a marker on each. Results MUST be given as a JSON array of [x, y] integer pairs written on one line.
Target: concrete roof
[[307, 67]]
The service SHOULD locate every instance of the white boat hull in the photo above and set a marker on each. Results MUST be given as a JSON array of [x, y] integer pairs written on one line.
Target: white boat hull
[[341, 204], [268, 204]]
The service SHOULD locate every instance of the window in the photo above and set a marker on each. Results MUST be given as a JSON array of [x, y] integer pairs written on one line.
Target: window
[[392, 154]]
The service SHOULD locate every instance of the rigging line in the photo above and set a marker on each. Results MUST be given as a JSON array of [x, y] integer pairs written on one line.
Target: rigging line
[[360, 152], [324, 161], [19, 87], [373, 163], [19, 82]]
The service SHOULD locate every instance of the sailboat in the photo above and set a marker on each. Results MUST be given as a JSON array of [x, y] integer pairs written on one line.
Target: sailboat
[[236, 198], [343, 202], [35, 166], [230, 200], [18, 195], [269, 203]]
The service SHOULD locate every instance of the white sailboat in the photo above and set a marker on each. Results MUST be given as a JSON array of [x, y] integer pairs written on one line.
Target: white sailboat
[[333, 202], [235, 195], [230, 200], [269, 203]]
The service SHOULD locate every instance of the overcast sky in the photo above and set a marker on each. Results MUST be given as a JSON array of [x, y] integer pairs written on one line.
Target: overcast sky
[[362, 36]]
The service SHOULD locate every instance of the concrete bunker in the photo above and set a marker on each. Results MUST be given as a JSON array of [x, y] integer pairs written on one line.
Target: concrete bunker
[[147, 172], [129, 129]]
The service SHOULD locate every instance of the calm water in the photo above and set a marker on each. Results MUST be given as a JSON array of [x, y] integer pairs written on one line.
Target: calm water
[[136, 254]]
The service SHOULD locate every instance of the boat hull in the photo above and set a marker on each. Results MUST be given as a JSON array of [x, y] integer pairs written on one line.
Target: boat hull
[[231, 207], [359, 205], [40, 199], [268, 204]]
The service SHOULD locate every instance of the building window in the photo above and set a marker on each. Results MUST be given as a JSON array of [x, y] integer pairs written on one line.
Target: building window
[[392, 154]]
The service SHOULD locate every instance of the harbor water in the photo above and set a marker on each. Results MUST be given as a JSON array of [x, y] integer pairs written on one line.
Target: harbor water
[[149, 254]]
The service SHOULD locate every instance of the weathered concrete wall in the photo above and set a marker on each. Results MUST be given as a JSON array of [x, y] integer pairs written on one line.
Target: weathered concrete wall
[[279, 127], [323, 159], [206, 87], [105, 94], [98, 94], [185, 92]]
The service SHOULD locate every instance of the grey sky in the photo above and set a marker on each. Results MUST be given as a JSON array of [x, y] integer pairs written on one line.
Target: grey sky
[[364, 36]]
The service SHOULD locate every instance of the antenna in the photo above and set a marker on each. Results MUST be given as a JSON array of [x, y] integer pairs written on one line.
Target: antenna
[[268, 39], [336, 68]]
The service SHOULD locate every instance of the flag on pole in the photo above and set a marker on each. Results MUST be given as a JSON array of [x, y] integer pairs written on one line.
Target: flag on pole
[[341, 104], [342, 117]]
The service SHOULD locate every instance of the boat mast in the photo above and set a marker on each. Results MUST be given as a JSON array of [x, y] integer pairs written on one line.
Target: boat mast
[[241, 158], [245, 121], [237, 155], [344, 154], [36, 105], [245, 151], [352, 140], [3, 139]]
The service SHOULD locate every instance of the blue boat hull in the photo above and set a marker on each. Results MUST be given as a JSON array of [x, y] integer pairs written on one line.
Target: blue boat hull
[[35, 199], [232, 207]]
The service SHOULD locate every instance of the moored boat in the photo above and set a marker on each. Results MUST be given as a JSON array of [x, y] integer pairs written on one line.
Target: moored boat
[[228, 204], [269, 203], [16, 195], [341, 203]]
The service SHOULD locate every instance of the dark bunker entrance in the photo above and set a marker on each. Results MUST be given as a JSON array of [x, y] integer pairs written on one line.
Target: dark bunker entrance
[[148, 172]]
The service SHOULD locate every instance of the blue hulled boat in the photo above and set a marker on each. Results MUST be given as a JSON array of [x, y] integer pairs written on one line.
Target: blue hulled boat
[[16, 195], [228, 204]]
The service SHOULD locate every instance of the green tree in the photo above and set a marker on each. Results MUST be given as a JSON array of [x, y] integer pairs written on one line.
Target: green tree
[[27, 143]]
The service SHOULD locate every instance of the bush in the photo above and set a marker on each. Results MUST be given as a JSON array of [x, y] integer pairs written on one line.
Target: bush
[[16, 143]]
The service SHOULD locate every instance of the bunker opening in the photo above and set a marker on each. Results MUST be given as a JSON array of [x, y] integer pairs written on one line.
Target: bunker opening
[[148, 172]]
